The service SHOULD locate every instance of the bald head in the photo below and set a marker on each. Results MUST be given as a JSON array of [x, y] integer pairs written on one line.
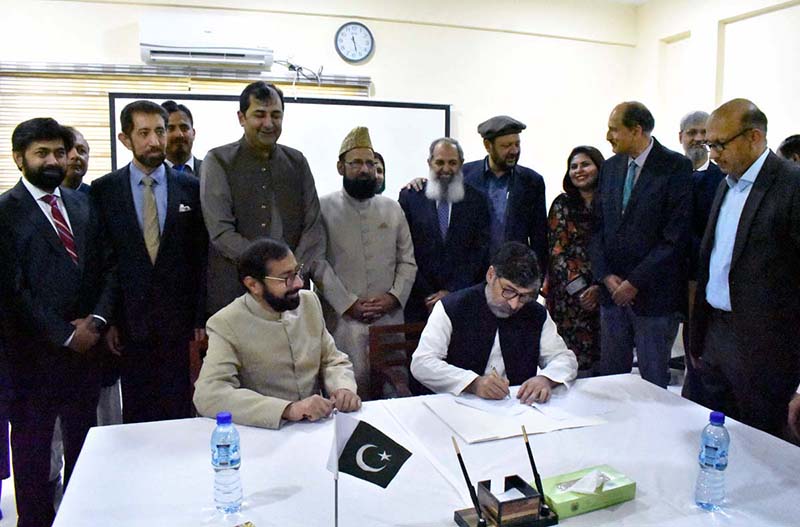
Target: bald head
[[737, 135]]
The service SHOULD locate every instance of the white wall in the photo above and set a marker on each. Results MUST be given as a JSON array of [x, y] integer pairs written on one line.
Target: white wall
[[483, 59], [737, 48], [558, 66]]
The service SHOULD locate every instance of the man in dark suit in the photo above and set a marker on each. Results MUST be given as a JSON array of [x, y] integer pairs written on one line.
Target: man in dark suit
[[745, 333], [515, 193], [180, 139], [77, 162], [640, 245], [59, 302], [449, 224], [151, 215]]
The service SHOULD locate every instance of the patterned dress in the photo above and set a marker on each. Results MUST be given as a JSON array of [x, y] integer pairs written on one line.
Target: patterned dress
[[568, 236]]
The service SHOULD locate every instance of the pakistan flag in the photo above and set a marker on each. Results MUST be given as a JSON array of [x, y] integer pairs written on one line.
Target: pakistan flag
[[363, 451]]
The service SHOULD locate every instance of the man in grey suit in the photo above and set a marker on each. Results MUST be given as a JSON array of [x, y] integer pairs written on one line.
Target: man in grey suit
[[256, 188], [745, 333]]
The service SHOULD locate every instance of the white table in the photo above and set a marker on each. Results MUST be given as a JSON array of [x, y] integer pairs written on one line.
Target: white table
[[160, 473]]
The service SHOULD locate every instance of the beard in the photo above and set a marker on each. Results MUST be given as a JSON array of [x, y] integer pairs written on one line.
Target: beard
[[179, 149], [504, 163], [288, 302], [151, 158], [360, 189], [498, 309], [696, 154], [44, 177], [451, 191]]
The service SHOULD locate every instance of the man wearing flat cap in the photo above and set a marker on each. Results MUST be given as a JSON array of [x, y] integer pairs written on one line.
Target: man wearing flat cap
[[369, 265], [515, 193]]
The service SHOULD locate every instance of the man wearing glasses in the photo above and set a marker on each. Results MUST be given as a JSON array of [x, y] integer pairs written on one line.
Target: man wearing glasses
[[270, 358], [484, 338], [745, 332], [369, 268]]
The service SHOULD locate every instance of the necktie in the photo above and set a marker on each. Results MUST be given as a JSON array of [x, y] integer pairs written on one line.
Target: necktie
[[443, 211], [152, 233], [62, 226], [179, 168], [629, 180]]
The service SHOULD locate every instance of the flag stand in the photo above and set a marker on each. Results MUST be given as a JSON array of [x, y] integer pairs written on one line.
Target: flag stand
[[336, 501]]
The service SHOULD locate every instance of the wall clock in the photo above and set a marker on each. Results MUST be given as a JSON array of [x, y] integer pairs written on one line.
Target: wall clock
[[354, 42]]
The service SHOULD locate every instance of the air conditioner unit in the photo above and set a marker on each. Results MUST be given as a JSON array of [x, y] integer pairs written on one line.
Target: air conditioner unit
[[191, 40]]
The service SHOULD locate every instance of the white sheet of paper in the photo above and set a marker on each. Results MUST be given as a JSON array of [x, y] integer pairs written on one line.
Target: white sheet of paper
[[507, 406], [475, 426], [510, 494], [572, 403]]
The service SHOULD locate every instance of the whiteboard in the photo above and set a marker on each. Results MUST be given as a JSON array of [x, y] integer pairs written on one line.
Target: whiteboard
[[401, 132]]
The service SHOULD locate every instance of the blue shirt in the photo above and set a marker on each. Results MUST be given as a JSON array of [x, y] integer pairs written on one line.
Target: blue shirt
[[159, 176], [497, 192], [718, 293]]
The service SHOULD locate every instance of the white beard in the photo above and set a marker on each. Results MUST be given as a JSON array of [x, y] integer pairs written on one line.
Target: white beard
[[452, 193]]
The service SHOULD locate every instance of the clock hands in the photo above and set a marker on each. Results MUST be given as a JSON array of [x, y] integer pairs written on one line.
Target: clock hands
[[355, 46]]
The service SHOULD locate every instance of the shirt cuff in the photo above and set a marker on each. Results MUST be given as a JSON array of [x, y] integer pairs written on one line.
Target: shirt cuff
[[69, 339]]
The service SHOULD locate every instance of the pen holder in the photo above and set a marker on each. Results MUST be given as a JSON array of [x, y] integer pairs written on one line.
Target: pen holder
[[499, 511]]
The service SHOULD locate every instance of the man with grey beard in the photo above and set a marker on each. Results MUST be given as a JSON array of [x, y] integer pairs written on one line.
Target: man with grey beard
[[449, 224]]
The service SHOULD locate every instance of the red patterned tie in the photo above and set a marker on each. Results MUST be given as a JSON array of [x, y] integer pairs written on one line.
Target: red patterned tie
[[61, 226]]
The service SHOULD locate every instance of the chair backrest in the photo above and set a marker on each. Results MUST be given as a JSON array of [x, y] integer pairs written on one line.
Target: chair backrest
[[390, 349]]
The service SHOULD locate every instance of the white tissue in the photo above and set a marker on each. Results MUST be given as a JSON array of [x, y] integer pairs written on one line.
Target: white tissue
[[591, 483]]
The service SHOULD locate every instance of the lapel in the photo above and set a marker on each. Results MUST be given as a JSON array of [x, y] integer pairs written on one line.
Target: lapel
[[762, 184], [173, 201], [615, 189], [707, 243], [78, 218], [646, 176], [127, 213], [36, 217]]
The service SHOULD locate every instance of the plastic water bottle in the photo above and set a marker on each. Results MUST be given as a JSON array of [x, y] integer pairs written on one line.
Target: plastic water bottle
[[226, 460], [714, 443]]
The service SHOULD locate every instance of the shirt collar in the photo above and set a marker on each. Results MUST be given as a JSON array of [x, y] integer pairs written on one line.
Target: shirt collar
[[487, 170], [641, 158], [705, 165], [750, 175], [159, 175], [189, 162], [38, 193]]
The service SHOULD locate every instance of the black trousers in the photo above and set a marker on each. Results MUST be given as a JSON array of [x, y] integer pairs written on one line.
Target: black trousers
[[32, 421], [726, 382], [155, 381]]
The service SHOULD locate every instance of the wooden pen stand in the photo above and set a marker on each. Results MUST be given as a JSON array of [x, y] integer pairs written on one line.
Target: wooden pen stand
[[522, 511]]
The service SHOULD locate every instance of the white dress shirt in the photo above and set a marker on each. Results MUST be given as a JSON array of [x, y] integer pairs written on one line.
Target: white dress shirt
[[429, 362], [38, 194]]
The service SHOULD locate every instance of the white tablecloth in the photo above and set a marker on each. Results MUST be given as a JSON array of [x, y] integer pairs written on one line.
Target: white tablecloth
[[160, 473]]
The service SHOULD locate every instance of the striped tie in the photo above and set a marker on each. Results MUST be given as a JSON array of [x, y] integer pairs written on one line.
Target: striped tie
[[61, 226]]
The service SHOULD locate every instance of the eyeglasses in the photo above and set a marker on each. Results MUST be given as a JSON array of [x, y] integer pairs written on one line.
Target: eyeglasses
[[720, 146], [511, 294], [289, 280], [357, 165]]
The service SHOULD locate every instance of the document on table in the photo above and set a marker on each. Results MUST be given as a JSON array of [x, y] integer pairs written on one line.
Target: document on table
[[475, 422]]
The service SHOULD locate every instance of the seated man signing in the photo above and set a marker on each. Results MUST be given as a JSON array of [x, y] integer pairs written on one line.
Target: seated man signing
[[484, 337], [268, 350]]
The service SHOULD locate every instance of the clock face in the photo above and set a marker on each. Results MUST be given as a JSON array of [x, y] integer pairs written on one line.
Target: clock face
[[354, 42]]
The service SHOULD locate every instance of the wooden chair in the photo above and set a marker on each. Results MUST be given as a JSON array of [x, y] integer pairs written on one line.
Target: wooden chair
[[197, 350], [385, 368]]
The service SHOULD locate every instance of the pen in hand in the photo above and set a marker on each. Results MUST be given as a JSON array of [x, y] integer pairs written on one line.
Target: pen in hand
[[494, 372]]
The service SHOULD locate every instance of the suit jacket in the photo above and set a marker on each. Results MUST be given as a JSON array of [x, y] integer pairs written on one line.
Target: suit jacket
[[704, 187], [648, 243], [764, 283], [458, 261], [526, 212], [259, 361], [48, 290], [197, 164], [165, 300]]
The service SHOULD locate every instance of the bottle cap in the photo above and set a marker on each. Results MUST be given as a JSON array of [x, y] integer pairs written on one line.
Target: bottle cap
[[224, 418], [716, 418]]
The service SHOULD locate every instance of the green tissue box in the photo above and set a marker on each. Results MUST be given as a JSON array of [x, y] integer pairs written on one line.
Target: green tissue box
[[614, 488]]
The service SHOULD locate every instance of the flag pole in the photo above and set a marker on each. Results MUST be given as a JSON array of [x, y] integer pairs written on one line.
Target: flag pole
[[335, 476]]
